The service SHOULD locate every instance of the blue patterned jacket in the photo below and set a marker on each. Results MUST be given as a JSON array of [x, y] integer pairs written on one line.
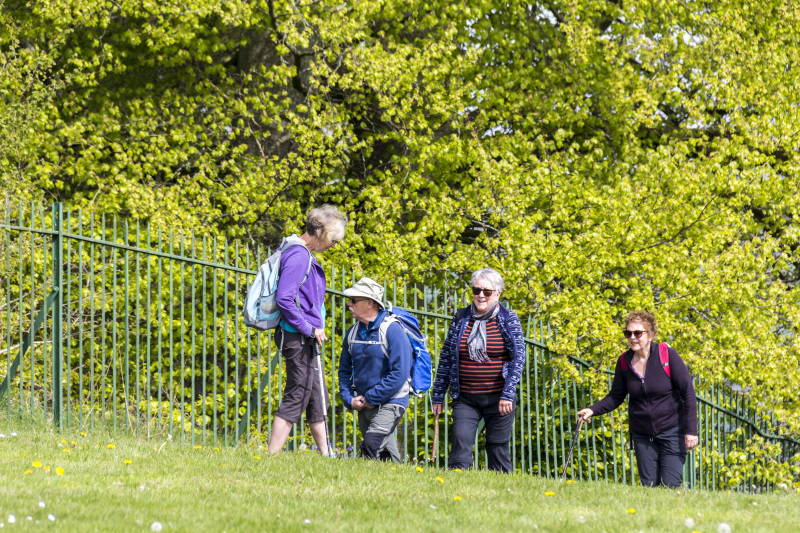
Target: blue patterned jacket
[[447, 371]]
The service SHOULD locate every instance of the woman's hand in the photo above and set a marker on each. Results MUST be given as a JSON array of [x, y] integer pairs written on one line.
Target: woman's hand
[[506, 407], [691, 442], [319, 334], [437, 409], [585, 414]]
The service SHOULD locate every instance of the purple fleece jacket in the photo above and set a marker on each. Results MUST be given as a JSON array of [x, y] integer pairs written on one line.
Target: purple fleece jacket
[[294, 263], [654, 399]]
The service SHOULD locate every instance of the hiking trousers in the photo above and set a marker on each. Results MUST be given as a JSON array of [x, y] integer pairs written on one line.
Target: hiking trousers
[[660, 457], [468, 409], [377, 425]]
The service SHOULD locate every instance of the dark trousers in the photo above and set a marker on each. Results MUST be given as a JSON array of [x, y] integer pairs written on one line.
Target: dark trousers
[[660, 457], [468, 410]]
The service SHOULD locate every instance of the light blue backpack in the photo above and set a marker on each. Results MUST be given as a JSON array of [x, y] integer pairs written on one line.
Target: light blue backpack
[[261, 309]]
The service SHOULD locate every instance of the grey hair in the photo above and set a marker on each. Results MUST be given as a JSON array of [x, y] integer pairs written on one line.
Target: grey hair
[[326, 222], [490, 274]]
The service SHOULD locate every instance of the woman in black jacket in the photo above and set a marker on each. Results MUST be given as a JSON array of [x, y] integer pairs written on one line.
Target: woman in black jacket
[[662, 410]]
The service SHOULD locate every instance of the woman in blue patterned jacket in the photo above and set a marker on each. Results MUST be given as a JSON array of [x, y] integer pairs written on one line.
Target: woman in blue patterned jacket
[[481, 363]]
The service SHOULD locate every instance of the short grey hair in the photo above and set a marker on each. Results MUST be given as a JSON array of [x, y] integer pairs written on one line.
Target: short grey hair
[[490, 274], [326, 222]]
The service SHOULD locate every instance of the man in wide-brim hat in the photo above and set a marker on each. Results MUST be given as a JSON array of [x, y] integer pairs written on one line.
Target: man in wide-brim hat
[[374, 370]]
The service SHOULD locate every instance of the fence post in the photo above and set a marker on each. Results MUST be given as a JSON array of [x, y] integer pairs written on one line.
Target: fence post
[[58, 312]]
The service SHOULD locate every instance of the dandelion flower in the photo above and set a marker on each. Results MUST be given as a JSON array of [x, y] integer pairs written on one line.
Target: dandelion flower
[[28, 472], [74, 443], [631, 510], [197, 447], [571, 481], [63, 442], [60, 471], [46, 468], [458, 470], [549, 493], [127, 461], [257, 457], [111, 446], [440, 480], [419, 469], [67, 450], [216, 449], [393, 468], [37, 464], [83, 434], [457, 498]]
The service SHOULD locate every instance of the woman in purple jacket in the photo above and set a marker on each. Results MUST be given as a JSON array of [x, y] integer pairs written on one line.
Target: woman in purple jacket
[[662, 409], [301, 294]]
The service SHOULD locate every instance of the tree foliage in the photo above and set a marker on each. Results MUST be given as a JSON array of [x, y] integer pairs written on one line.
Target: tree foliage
[[603, 155]]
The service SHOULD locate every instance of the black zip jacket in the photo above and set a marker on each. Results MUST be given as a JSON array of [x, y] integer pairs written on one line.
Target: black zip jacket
[[655, 401]]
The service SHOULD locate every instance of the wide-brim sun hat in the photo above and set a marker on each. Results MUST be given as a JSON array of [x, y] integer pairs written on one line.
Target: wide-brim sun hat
[[366, 288]]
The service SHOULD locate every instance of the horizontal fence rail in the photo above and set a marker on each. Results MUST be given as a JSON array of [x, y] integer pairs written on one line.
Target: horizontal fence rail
[[107, 326]]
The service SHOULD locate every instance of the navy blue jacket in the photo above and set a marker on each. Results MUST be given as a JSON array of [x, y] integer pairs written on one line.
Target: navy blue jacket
[[447, 371], [365, 370], [655, 400]]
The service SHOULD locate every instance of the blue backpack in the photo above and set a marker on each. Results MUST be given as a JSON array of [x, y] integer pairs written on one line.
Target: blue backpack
[[421, 377], [261, 309]]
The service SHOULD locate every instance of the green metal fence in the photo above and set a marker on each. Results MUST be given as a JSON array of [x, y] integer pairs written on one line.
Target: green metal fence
[[108, 326]]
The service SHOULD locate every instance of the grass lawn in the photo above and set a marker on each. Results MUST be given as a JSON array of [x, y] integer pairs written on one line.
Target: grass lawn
[[117, 482]]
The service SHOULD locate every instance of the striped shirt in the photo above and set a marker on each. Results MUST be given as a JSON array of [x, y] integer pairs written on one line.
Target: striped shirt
[[487, 377]]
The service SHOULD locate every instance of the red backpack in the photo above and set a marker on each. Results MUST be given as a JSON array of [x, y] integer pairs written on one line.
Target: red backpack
[[663, 355]]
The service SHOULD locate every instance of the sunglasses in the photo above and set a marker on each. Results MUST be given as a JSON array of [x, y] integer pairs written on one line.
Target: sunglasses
[[486, 292], [356, 300], [628, 333], [334, 243]]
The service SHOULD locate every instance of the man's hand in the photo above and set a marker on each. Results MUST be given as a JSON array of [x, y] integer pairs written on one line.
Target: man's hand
[[506, 407], [359, 403]]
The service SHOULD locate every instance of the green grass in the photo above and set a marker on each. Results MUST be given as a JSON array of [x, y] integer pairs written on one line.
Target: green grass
[[242, 489]]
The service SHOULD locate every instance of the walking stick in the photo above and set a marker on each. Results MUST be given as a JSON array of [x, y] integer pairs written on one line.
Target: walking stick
[[572, 447], [435, 450], [322, 397]]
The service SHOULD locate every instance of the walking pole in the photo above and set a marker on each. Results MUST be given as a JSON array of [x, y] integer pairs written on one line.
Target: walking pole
[[322, 396], [435, 450], [574, 440]]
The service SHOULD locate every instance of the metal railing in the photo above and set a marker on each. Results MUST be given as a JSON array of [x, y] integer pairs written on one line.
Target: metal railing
[[104, 325]]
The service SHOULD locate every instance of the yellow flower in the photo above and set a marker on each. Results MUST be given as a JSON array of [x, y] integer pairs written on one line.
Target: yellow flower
[[28, 472], [440, 480], [393, 468], [60, 471], [458, 470], [419, 469], [83, 434], [127, 461], [47, 468], [67, 450], [197, 447], [631, 510], [63, 442], [571, 481], [216, 449], [549, 493], [74, 443], [457, 498], [37, 464], [111, 446], [257, 457]]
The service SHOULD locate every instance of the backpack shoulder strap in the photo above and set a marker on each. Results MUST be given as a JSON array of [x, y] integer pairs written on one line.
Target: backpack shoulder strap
[[663, 355], [384, 327], [623, 363]]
